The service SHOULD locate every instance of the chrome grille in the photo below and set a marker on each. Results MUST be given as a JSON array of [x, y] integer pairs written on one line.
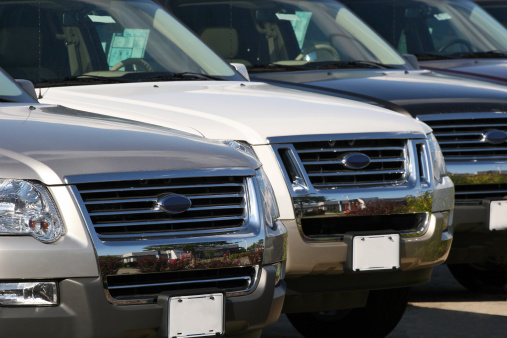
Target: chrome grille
[[325, 169], [475, 192], [127, 208], [463, 136], [147, 286]]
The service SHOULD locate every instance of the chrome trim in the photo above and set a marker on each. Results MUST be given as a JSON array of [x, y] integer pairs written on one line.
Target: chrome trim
[[146, 175], [177, 283], [328, 150], [361, 173], [160, 187], [205, 247], [320, 203], [463, 136], [133, 212], [339, 162], [345, 136], [304, 181]]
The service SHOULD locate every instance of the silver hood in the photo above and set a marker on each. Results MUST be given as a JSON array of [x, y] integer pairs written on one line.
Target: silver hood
[[48, 143]]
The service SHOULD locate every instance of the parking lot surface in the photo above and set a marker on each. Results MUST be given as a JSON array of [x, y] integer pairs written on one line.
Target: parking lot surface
[[441, 308]]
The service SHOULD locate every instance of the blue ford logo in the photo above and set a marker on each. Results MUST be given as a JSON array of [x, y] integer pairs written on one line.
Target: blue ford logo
[[494, 136], [355, 160], [174, 203]]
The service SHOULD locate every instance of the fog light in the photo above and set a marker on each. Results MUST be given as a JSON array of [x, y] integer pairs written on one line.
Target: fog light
[[28, 294]]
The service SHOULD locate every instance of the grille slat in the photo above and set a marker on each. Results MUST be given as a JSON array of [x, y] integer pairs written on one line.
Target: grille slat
[[360, 173], [161, 187], [337, 150], [462, 137], [478, 192], [466, 124], [132, 212], [340, 162], [128, 208], [216, 280], [173, 221], [147, 286], [325, 168]]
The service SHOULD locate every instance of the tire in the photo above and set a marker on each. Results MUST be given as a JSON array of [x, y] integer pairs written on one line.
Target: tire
[[380, 316], [489, 278]]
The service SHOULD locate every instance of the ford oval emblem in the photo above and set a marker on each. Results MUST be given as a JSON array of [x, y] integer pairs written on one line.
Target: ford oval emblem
[[494, 136], [355, 160], [174, 203]]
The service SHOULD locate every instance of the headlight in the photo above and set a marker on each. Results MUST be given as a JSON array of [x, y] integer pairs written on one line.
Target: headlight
[[437, 158], [27, 209], [271, 212], [241, 146]]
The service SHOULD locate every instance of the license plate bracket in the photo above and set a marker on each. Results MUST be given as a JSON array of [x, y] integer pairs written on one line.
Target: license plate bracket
[[498, 215], [373, 252], [193, 313]]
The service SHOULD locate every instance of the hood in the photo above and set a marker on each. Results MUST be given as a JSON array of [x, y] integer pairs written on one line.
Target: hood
[[491, 70], [243, 111], [418, 91], [48, 143]]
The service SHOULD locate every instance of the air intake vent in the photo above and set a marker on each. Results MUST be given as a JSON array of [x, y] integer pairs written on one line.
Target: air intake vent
[[326, 163], [146, 287], [469, 137], [129, 208], [478, 192]]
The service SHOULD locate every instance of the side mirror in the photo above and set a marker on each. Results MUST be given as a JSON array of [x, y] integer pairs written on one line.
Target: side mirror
[[28, 87], [241, 68], [412, 60]]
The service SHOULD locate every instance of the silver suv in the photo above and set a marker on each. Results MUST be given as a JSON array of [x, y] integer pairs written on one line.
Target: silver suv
[[111, 228]]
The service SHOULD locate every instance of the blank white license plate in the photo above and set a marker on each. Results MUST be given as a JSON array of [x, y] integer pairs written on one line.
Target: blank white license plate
[[376, 252], [498, 215], [196, 316]]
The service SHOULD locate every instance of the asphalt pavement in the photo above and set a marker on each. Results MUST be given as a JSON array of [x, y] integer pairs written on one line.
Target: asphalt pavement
[[441, 308]]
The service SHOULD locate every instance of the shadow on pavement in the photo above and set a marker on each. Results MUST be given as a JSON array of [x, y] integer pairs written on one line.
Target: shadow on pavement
[[440, 308]]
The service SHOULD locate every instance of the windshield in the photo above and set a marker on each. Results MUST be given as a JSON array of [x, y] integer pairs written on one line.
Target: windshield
[[435, 29], [53, 42], [286, 34], [497, 9], [11, 92]]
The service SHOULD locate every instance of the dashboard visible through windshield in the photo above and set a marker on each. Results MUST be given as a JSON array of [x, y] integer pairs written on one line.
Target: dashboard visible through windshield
[[66, 42], [278, 35]]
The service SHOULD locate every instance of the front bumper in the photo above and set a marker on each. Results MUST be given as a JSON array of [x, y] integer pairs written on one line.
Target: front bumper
[[478, 184], [317, 279], [474, 242], [85, 312]]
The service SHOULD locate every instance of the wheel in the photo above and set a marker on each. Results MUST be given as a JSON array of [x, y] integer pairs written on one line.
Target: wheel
[[453, 42], [380, 316], [488, 277], [133, 61], [327, 48]]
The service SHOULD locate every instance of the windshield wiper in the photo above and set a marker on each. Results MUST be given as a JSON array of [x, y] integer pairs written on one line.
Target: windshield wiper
[[96, 78], [312, 65], [180, 76], [80, 80], [368, 64], [276, 67], [489, 54], [432, 56]]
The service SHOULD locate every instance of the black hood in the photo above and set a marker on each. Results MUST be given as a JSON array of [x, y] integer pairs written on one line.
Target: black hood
[[416, 92]]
